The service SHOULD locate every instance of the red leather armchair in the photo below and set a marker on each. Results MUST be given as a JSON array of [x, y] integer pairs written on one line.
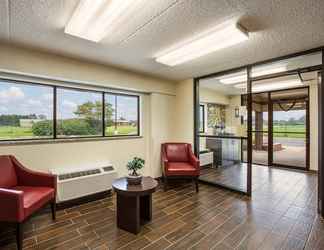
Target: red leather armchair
[[179, 161], [22, 192]]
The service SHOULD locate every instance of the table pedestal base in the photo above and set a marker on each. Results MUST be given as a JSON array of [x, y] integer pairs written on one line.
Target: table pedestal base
[[132, 211]]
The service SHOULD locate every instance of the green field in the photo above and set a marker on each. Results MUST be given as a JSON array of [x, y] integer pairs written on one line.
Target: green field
[[122, 130], [10, 132], [290, 131]]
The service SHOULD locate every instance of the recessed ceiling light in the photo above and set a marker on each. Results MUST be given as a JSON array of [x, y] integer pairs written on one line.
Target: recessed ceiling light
[[94, 19], [222, 36], [272, 85]]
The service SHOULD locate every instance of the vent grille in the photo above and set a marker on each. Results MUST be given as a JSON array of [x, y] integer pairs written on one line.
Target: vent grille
[[79, 174], [107, 169]]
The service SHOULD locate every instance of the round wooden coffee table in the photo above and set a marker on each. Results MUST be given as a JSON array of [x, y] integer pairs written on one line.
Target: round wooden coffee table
[[134, 203]]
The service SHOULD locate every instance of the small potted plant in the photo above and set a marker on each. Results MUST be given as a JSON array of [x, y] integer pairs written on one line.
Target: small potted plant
[[133, 177]]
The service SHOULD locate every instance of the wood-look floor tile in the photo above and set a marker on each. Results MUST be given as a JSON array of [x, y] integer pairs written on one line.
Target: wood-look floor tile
[[293, 244], [254, 240], [181, 231], [160, 244], [272, 241], [281, 214], [163, 230], [137, 244], [187, 241]]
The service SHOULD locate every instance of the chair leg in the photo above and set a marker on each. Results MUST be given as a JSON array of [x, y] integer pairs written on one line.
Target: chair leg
[[20, 235], [197, 187], [53, 208], [165, 186]]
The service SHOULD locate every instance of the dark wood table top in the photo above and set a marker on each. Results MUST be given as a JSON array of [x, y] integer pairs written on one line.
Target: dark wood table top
[[147, 186]]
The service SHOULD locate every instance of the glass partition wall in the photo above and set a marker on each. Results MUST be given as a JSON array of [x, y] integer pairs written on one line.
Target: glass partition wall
[[223, 137], [252, 117]]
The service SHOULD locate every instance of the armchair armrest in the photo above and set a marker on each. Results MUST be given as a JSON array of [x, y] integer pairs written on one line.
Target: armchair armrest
[[32, 178], [194, 160], [164, 160], [11, 209]]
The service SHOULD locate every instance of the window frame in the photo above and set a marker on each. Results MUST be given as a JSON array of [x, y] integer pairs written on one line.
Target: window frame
[[203, 118], [138, 113], [19, 82], [55, 136]]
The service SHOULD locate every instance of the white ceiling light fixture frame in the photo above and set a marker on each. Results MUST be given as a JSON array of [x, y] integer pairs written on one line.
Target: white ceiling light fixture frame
[[222, 36], [95, 19]]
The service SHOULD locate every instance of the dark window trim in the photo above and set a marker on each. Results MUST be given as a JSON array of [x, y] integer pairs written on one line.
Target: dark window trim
[[264, 62], [203, 118], [55, 137]]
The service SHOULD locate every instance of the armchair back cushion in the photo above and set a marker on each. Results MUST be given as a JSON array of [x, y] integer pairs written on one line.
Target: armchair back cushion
[[8, 177], [177, 152]]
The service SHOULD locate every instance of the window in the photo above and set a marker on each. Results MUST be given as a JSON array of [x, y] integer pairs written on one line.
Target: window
[[110, 114], [201, 118], [79, 113], [26, 111], [122, 115], [36, 111]]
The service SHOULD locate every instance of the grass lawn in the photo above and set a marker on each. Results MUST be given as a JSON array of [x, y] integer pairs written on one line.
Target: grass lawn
[[9, 132], [282, 129], [121, 130]]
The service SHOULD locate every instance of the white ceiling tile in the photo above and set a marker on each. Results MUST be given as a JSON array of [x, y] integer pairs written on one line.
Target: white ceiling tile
[[4, 20], [277, 28]]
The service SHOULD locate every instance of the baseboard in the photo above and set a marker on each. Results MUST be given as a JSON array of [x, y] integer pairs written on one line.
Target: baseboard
[[83, 199]]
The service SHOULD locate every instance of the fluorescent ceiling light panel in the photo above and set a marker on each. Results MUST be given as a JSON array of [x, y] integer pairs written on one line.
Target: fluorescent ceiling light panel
[[222, 36], [267, 70], [231, 79], [272, 85], [94, 19]]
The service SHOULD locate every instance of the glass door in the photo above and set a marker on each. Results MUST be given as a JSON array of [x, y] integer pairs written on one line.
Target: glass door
[[290, 130], [260, 128]]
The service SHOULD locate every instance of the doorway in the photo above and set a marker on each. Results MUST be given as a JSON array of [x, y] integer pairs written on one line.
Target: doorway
[[280, 128]]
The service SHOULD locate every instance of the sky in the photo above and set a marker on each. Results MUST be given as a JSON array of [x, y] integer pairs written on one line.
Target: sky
[[24, 99]]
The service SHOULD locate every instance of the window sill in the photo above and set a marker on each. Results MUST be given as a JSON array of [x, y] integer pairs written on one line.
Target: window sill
[[65, 140]]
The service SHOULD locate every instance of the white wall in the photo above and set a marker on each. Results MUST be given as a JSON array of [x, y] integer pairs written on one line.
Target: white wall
[[156, 112]]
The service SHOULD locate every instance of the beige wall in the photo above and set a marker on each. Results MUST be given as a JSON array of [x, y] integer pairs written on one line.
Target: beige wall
[[183, 112], [54, 66], [313, 125], [156, 105], [211, 96], [166, 117], [162, 127], [234, 123]]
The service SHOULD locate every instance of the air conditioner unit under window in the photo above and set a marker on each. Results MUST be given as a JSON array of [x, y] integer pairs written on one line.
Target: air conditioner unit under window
[[74, 183]]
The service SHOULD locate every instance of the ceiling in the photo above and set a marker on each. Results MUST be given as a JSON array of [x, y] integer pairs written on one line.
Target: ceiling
[[277, 28]]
